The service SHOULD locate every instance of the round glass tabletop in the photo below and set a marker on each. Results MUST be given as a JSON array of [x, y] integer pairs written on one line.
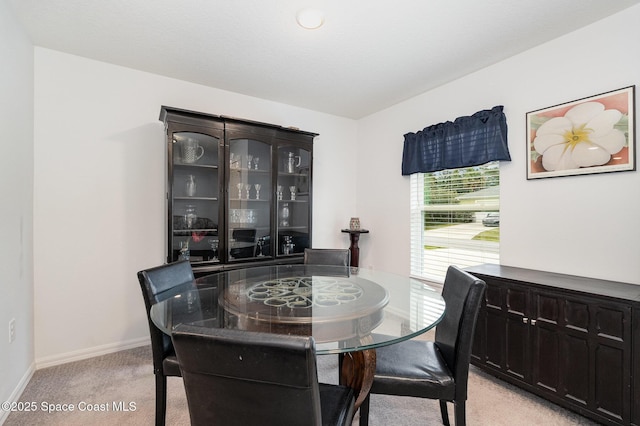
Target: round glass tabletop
[[344, 309]]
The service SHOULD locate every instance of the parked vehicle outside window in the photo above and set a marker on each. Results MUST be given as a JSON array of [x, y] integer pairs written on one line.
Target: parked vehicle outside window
[[492, 219]]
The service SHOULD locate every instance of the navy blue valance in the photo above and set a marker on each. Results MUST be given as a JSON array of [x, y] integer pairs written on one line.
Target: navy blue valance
[[465, 142]]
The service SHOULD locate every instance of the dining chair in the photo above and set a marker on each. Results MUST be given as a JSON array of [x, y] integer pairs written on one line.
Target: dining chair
[[244, 378], [158, 284], [336, 257], [438, 369], [244, 235]]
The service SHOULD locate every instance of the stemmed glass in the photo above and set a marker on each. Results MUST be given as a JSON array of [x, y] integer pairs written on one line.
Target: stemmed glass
[[239, 186], [214, 248], [249, 159], [279, 193], [257, 186], [293, 192], [247, 188], [260, 244], [255, 163]]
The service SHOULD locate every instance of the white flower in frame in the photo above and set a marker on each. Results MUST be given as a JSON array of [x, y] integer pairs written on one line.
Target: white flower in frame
[[584, 137]]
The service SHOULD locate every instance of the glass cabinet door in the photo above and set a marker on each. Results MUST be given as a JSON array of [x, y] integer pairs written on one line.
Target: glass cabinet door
[[249, 201], [293, 194], [194, 197]]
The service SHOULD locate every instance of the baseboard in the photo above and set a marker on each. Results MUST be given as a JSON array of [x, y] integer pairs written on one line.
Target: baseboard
[[17, 392], [64, 358]]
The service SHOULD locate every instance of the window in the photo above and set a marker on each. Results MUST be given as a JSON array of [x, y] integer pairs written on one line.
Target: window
[[454, 219]]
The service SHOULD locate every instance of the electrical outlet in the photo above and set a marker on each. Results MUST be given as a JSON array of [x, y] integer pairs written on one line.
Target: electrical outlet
[[12, 330]]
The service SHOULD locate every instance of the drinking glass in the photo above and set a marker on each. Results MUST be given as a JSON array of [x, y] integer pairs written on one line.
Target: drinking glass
[[214, 248], [258, 186], [293, 192], [239, 186], [255, 163], [190, 216], [247, 188], [249, 159]]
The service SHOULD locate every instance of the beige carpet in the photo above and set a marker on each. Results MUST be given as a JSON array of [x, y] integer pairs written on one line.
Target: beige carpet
[[127, 377]]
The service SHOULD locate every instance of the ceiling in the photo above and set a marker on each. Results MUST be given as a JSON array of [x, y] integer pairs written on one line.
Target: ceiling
[[369, 55]]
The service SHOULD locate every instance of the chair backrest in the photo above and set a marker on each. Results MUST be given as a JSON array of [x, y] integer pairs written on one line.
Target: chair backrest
[[335, 257], [463, 294], [244, 378], [158, 284], [247, 235]]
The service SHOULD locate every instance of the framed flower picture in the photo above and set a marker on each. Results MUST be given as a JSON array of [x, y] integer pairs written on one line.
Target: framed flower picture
[[589, 135]]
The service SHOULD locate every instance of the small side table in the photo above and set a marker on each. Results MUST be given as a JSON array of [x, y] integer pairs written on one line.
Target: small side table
[[354, 235]]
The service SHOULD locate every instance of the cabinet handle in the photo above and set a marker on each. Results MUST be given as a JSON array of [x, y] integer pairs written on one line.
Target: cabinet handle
[[525, 320], [533, 322]]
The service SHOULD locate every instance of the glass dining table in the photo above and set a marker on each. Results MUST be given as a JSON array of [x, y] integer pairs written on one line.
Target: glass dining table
[[348, 311]]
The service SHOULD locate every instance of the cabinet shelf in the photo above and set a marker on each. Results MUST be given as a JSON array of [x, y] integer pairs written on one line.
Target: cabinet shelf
[[249, 171], [195, 198], [284, 174], [194, 166], [189, 232]]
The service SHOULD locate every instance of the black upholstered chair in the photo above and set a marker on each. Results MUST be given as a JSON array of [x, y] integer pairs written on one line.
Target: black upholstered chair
[[158, 284], [438, 369], [335, 257], [245, 378]]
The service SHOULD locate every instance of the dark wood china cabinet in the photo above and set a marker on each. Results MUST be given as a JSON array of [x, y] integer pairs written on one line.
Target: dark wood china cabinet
[[238, 192]]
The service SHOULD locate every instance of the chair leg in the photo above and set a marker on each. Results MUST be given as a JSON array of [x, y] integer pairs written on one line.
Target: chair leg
[[161, 399], [460, 415], [445, 413], [364, 411]]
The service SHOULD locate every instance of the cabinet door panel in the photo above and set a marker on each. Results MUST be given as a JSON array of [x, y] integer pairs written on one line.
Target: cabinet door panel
[[610, 324], [547, 308], [575, 367], [517, 343], [612, 359], [610, 388], [547, 357], [293, 193], [517, 301], [193, 193], [249, 200], [495, 338], [517, 332], [576, 316], [493, 296]]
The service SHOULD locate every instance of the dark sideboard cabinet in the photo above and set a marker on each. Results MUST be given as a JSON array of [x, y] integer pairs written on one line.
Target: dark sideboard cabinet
[[238, 191], [572, 340]]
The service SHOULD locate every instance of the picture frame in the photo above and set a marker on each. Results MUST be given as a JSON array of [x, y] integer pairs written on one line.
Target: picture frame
[[590, 135]]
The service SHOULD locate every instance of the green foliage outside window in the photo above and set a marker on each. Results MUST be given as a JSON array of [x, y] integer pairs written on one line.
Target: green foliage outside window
[[445, 188]]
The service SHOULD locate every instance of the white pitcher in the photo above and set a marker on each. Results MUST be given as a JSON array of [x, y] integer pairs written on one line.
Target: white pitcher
[[192, 151]]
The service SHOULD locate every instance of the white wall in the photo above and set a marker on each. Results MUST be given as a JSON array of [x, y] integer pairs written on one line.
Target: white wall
[[100, 188], [583, 225], [16, 214]]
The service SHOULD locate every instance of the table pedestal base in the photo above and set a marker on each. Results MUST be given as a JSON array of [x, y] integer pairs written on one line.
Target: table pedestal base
[[357, 370]]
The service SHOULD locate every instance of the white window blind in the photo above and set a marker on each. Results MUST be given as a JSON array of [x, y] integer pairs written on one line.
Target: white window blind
[[447, 212]]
